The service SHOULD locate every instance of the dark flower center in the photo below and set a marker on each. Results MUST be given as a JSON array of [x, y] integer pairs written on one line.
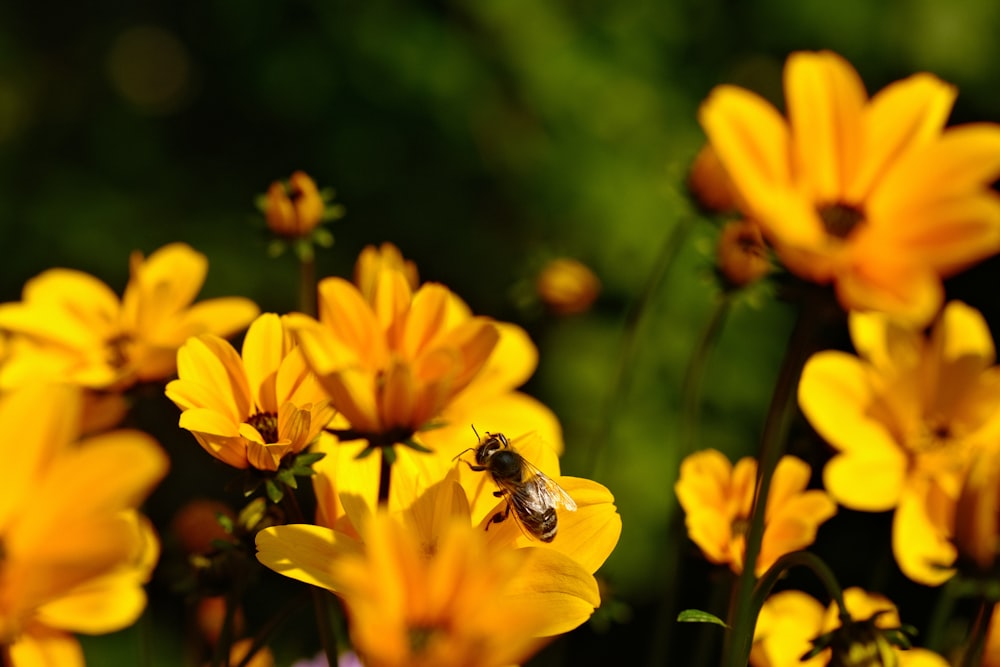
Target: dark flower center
[[840, 219], [266, 424]]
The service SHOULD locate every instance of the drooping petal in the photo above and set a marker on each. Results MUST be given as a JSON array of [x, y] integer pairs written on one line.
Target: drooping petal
[[923, 553], [553, 581], [304, 552]]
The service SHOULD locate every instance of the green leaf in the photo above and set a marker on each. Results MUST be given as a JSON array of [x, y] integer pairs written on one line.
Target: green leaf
[[365, 453], [699, 616], [225, 522], [308, 458], [274, 492], [413, 444]]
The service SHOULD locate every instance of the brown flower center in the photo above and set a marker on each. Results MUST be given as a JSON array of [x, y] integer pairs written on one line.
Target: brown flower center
[[420, 636], [266, 424], [739, 526], [840, 219]]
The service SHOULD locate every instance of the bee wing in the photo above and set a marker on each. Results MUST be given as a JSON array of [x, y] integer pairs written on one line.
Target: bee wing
[[542, 491]]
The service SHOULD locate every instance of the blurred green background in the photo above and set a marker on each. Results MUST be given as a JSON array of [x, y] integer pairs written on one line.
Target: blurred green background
[[482, 138]]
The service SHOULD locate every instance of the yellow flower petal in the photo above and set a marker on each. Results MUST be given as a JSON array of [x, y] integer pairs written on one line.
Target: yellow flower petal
[[45, 647], [556, 583], [304, 552], [825, 102], [923, 553], [904, 115], [263, 351], [835, 395]]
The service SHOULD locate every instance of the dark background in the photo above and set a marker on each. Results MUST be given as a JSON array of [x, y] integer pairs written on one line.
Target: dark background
[[482, 138]]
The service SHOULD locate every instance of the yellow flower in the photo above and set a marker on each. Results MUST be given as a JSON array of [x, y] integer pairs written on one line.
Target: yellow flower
[[717, 498], [567, 286], [490, 402], [426, 587], [71, 327], [374, 263], [874, 195], [293, 209], [905, 417], [393, 359], [251, 410], [75, 552], [790, 620]]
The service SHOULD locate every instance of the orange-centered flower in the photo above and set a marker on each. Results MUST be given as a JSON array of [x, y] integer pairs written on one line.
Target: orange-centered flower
[[906, 416], [250, 410], [717, 498], [873, 195], [71, 327], [392, 357]]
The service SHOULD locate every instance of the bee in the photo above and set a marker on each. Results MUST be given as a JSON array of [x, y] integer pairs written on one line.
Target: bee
[[530, 494]]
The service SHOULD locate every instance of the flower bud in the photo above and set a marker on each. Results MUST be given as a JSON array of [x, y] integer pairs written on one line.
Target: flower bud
[[197, 525], [709, 183], [742, 254], [567, 287], [295, 209]]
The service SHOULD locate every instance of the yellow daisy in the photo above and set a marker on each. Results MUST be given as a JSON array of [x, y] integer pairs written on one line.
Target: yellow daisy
[[905, 417], [69, 326], [75, 551], [392, 358], [251, 409], [426, 587], [790, 620], [873, 195], [717, 499]]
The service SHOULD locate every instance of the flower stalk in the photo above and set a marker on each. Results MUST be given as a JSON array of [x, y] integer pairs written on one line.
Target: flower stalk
[[742, 615]]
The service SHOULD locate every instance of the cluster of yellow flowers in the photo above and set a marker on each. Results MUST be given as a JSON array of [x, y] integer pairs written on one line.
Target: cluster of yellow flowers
[[373, 400], [878, 199]]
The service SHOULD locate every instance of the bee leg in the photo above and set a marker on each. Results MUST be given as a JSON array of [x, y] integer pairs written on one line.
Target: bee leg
[[499, 517], [472, 467]]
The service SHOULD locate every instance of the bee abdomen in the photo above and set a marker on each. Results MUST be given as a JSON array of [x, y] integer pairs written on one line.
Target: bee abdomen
[[545, 525]]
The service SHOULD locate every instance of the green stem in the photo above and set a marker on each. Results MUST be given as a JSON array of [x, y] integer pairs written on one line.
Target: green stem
[[268, 629], [799, 559], [385, 474], [633, 327], [942, 613], [973, 654], [695, 372], [736, 649]]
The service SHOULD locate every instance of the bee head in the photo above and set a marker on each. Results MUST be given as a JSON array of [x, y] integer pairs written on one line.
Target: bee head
[[493, 443]]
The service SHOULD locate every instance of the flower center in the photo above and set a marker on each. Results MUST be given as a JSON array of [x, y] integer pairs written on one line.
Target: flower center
[[266, 424], [116, 350], [420, 636], [840, 219], [739, 527]]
